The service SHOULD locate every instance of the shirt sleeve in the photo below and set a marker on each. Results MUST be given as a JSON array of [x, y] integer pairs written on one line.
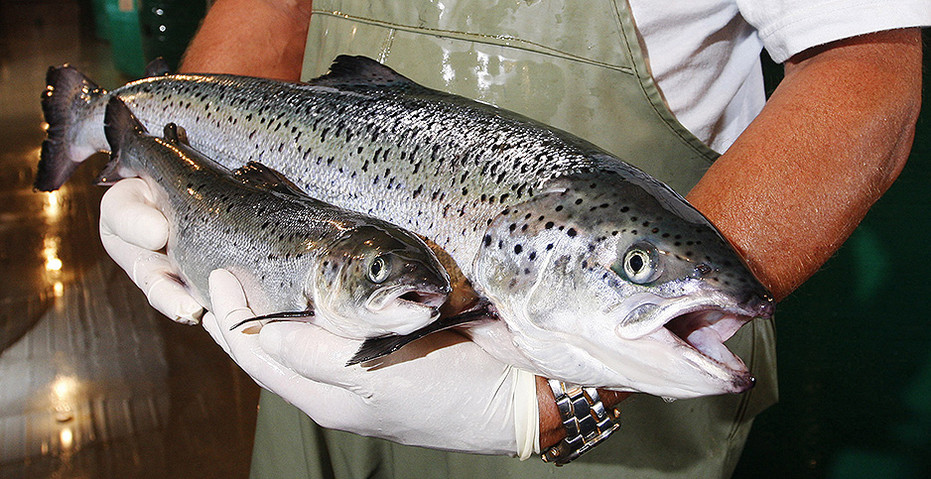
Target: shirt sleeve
[[787, 27]]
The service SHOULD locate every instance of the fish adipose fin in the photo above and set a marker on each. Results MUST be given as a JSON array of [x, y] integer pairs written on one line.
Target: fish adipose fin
[[375, 348], [283, 316], [175, 134], [64, 103], [119, 124], [359, 71], [260, 176]]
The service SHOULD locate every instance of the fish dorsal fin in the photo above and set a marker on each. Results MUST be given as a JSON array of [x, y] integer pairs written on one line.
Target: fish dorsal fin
[[260, 176], [175, 134], [359, 71], [156, 68]]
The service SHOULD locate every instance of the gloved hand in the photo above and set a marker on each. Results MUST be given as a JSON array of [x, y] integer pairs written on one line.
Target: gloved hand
[[442, 391], [133, 231]]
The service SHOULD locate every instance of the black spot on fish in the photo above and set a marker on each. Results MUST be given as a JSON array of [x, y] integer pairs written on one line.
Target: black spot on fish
[[518, 248], [487, 240]]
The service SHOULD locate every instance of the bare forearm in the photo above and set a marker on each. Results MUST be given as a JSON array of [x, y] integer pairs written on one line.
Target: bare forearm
[[264, 38], [829, 142]]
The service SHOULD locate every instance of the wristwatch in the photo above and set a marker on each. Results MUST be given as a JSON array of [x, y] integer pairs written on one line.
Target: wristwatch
[[585, 419]]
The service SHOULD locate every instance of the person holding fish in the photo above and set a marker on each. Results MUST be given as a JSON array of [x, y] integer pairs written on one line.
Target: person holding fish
[[660, 86]]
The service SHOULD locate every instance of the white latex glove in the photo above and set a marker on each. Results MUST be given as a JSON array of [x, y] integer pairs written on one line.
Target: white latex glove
[[133, 231], [442, 391]]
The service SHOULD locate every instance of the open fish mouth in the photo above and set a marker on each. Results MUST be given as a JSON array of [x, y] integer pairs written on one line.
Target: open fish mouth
[[423, 298], [408, 296], [705, 331], [698, 330]]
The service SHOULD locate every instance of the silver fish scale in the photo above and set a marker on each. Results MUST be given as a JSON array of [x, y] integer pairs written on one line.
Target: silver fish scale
[[441, 169]]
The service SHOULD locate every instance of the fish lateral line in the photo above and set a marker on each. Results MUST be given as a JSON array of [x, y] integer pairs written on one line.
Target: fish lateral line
[[275, 317]]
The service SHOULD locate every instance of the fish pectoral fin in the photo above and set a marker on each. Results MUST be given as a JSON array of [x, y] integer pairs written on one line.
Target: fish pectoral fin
[[374, 348], [274, 317], [260, 176]]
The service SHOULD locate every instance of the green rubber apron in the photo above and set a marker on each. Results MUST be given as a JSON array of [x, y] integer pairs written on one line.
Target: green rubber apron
[[576, 66]]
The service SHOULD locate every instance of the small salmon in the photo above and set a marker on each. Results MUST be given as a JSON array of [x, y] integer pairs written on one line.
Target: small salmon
[[357, 276]]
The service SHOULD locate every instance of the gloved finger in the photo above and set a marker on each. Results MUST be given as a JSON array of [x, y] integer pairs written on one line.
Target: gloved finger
[[152, 273], [126, 211], [312, 352], [229, 306], [210, 323]]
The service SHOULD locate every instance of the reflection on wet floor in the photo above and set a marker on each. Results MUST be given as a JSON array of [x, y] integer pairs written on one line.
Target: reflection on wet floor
[[93, 382]]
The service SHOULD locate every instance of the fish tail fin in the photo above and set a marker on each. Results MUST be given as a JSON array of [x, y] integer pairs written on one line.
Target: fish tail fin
[[66, 103], [119, 125]]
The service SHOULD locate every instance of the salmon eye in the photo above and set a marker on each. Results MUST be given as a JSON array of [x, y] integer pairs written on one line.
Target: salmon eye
[[379, 270], [640, 263]]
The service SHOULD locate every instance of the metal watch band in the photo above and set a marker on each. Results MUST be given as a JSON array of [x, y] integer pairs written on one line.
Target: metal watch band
[[585, 419]]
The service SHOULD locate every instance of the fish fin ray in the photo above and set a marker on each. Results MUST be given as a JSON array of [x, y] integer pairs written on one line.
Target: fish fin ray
[[360, 71], [374, 348], [260, 176], [156, 68]]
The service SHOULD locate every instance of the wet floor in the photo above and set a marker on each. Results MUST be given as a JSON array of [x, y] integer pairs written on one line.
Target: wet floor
[[93, 383]]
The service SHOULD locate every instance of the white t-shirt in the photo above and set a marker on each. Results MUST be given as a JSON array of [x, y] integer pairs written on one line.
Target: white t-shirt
[[704, 54]]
